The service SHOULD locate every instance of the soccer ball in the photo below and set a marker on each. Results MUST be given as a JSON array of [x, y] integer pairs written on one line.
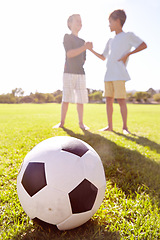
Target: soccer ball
[[61, 182]]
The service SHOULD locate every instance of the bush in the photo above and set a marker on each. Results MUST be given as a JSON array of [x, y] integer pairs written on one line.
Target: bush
[[95, 97], [156, 97], [49, 98], [38, 97], [130, 97], [139, 96], [146, 96], [26, 99], [8, 98], [58, 99]]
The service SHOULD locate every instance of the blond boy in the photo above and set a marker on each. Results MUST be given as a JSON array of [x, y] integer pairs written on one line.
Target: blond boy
[[74, 82]]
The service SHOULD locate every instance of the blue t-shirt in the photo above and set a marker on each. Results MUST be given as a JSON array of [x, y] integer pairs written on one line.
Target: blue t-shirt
[[74, 65]]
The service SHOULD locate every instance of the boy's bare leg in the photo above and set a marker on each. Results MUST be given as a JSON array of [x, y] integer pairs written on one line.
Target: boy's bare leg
[[64, 108], [109, 110], [80, 116], [123, 108]]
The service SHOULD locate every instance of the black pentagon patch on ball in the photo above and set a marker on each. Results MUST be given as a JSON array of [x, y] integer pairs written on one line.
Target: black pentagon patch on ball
[[34, 178], [75, 146], [82, 198]]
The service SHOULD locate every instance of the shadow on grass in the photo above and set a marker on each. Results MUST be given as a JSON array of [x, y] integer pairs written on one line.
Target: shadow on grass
[[141, 141], [89, 231], [127, 168]]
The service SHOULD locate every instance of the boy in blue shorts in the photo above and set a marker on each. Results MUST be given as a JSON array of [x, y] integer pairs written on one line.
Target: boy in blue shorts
[[117, 51], [74, 82]]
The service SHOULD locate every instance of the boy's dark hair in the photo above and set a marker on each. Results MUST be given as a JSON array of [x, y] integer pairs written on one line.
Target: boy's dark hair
[[119, 14], [70, 19]]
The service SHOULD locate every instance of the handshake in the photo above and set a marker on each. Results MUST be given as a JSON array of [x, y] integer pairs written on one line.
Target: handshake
[[89, 45]]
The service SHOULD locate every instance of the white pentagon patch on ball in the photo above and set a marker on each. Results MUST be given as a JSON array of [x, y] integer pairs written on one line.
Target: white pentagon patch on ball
[[61, 182]]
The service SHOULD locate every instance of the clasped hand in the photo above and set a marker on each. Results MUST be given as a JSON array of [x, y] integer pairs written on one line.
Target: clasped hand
[[89, 45]]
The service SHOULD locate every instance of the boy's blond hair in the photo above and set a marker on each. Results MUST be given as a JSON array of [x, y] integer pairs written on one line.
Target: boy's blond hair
[[70, 19], [119, 14]]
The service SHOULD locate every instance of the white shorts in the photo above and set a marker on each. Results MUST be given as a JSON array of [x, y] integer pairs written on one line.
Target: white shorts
[[74, 88]]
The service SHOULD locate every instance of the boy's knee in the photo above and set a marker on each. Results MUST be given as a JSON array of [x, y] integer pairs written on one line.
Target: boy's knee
[[109, 99], [121, 101]]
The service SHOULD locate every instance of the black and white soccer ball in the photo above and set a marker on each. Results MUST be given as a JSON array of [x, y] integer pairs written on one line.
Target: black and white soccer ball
[[61, 182]]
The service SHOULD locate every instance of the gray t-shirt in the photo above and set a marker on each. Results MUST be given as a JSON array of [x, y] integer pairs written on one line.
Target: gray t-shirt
[[74, 65]]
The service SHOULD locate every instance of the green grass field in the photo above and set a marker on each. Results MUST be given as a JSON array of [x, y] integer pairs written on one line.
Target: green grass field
[[131, 207]]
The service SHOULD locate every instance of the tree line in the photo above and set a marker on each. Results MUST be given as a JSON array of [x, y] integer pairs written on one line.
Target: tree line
[[17, 96], [95, 96]]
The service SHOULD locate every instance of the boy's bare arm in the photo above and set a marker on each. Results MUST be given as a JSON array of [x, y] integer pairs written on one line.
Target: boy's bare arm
[[98, 55], [75, 52], [141, 47]]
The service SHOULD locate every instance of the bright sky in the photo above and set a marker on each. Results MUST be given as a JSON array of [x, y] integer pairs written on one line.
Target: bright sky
[[31, 42]]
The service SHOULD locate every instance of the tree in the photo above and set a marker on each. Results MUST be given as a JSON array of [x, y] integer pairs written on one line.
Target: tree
[[17, 92], [151, 91]]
